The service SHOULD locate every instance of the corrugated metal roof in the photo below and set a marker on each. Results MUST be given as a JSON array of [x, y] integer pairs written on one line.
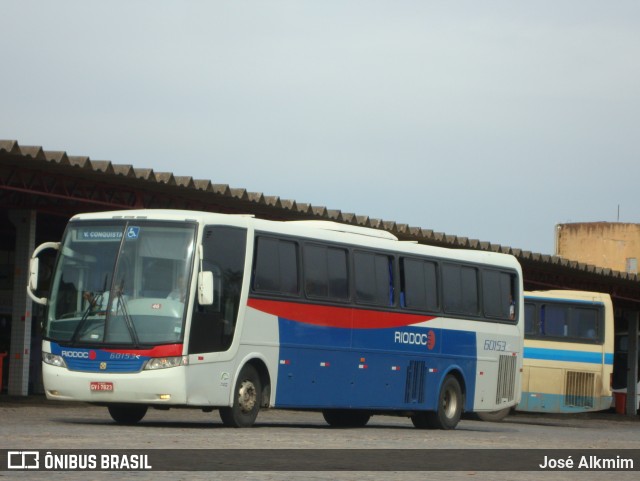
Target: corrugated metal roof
[[274, 206]]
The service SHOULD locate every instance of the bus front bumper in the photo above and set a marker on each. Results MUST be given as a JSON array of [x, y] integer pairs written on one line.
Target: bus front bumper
[[159, 387]]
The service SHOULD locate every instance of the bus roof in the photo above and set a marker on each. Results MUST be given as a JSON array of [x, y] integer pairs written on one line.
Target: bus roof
[[584, 296], [338, 227], [325, 230]]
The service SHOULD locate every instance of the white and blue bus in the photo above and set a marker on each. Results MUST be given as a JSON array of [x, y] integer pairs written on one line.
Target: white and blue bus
[[158, 308]]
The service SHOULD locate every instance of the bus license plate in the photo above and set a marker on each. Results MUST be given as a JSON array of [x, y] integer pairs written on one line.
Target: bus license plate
[[101, 386]]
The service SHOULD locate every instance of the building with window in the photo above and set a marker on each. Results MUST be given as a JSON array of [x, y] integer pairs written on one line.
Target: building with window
[[612, 245]]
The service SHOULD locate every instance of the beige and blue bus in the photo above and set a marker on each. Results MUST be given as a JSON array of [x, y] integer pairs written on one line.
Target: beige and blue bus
[[568, 352]]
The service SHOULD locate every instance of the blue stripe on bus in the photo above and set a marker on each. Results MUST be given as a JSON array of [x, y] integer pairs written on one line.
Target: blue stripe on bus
[[567, 355], [111, 360], [388, 368]]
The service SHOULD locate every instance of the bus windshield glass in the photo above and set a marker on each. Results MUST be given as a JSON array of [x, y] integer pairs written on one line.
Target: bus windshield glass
[[121, 283]]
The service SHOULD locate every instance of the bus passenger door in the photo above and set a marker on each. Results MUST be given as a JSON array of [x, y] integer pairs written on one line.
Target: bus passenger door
[[213, 326]]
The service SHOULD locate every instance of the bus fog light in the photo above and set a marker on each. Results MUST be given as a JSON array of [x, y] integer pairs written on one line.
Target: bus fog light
[[53, 359], [164, 397], [165, 362]]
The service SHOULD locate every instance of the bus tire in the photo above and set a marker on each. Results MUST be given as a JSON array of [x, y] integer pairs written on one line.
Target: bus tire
[[346, 418], [420, 420], [247, 399], [494, 416], [449, 409], [127, 413]]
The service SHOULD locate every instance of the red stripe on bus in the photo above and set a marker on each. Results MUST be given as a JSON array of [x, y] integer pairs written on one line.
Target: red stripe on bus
[[168, 350], [332, 316]]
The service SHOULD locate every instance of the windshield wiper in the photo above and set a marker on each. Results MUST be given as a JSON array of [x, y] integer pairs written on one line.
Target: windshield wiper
[[93, 302], [122, 304]]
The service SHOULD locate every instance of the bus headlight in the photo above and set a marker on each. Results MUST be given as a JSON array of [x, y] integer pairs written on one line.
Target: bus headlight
[[166, 362], [53, 359]]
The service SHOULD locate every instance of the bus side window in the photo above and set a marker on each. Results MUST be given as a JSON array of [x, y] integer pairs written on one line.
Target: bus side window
[[556, 321], [529, 319], [418, 284], [498, 293], [460, 289], [374, 278], [276, 266], [585, 323], [325, 272]]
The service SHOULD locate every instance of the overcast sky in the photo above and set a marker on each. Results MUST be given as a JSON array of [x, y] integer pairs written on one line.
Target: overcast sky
[[493, 120]]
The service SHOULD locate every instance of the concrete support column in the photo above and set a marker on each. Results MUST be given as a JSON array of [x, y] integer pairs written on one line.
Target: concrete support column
[[25, 224], [632, 364]]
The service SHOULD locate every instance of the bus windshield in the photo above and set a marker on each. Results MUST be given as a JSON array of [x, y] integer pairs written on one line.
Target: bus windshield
[[121, 283]]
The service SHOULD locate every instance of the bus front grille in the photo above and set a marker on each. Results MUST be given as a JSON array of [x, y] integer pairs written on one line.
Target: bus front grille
[[506, 379], [579, 389]]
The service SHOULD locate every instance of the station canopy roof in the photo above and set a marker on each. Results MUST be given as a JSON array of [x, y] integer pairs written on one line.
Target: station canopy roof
[[54, 183]]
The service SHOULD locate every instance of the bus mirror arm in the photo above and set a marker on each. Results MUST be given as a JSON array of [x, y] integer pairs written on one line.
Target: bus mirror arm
[[205, 288], [34, 264]]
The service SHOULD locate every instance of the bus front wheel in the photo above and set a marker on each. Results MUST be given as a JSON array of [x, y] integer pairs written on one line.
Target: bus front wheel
[[247, 399], [127, 414]]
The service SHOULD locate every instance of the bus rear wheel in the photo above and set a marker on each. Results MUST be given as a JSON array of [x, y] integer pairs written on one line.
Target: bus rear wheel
[[346, 418], [247, 399], [127, 413], [449, 409]]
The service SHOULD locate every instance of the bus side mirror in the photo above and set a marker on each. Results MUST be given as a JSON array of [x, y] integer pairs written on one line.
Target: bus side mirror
[[205, 288], [34, 264]]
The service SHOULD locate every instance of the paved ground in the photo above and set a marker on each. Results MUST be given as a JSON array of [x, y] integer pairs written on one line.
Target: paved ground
[[34, 423]]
